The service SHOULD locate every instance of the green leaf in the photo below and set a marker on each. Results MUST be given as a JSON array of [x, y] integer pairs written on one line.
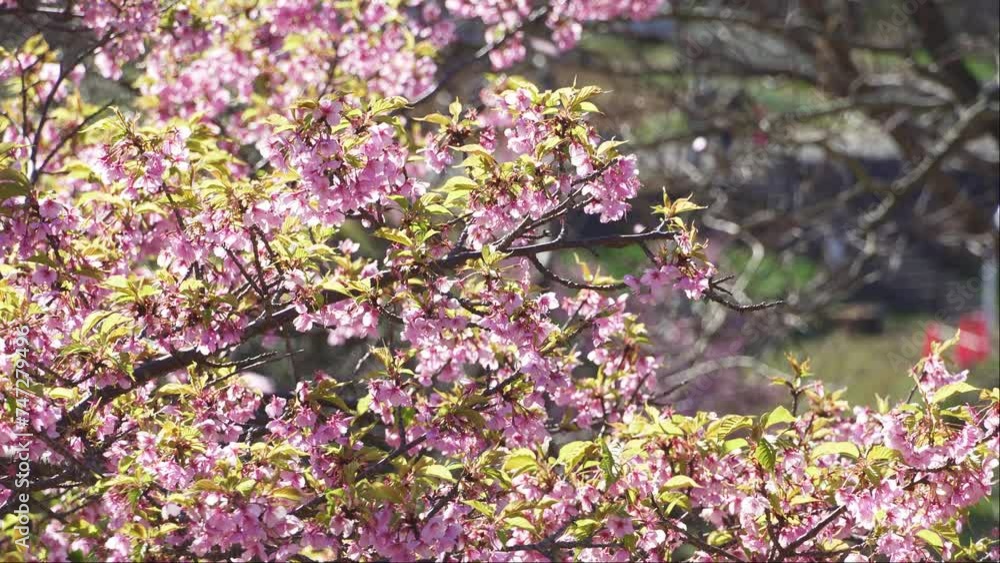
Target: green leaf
[[491, 256], [765, 454], [932, 538], [881, 452], [13, 183], [802, 499], [472, 416], [363, 404], [586, 93], [457, 188], [546, 146], [382, 491], [436, 118], [718, 538], [246, 486], [116, 282], [734, 444], [950, 389], [287, 493], [207, 485], [608, 147], [111, 322], [673, 499], [176, 389], [481, 507], [948, 533], [438, 471], [455, 109], [91, 321], [284, 451], [519, 460], [438, 209], [608, 465], [520, 522], [836, 448], [394, 236], [61, 393], [386, 105], [882, 404], [727, 425], [459, 183], [683, 205], [680, 482], [476, 149], [584, 528], [778, 416], [572, 453]]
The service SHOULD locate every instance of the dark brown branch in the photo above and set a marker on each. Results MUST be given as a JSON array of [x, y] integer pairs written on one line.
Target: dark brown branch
[[690, 374], [940, 43], [790, 548], [695, 540], [47, 103], [930, 163], [550, 275], [62, 142], [715, 295]]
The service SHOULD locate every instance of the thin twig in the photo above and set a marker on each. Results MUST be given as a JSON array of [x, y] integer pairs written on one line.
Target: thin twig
[[550, 275]]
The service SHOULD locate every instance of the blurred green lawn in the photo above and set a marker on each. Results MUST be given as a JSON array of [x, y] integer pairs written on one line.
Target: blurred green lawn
[[869, 364]]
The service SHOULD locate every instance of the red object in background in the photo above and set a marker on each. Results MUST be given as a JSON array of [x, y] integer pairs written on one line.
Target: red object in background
[[931, 335], [974, 342], [760, 138]]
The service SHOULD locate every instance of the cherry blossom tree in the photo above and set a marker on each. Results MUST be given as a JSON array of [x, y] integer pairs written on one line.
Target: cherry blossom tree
[[145, 247]]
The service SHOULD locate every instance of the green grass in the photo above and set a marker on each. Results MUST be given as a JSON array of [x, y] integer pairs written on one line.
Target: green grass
[[870, 364], [772, 279], [622, 48], [658, 125], [782, 96]]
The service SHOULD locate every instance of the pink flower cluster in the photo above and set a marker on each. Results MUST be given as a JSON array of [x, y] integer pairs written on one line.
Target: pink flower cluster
[[336, 182], [692, 280], [208, 60], [935, 375], [556, 166]]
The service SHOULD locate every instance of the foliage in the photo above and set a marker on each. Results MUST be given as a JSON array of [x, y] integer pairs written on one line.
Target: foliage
[[493, 420]]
